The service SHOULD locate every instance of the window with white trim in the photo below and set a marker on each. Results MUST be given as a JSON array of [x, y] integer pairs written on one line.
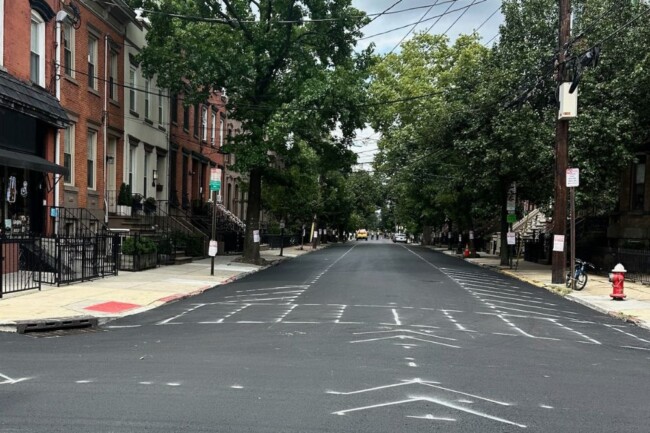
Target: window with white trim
[[68, 154], [112, 77], [92, 61], [213, 133], [68, 50], [204, 123], [147, 99], [221, 133], [37, 50], [91, 151], [132, 93], [161, 112]]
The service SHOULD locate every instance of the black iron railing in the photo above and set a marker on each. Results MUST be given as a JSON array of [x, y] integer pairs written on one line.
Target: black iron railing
[[20, 264]]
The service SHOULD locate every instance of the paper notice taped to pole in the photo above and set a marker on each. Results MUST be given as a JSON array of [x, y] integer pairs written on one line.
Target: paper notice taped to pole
[[511, 238], [558, 243], [256, 236]]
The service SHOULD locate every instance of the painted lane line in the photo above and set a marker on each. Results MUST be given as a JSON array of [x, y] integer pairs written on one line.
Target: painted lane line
[[189, 310], [522, 332], [286, 299], [279, 319], [10, 381], [510, 293], [237, 387], [505, 333], [406, 337], [627, 333], [464, 400], [250, 321], [636, 348], [501, 307], [300, 322], [545, 406], [392, 403], [211, 323], [511, 298], [123, 326], [426, 334], [412, 364], [489, 400], [396, 317], [304, 287], [377, 388], [471, 411], [426, 326], [173, 384], [454, 321], [530, 306], [574, 331], [431, 417], [145, 383]]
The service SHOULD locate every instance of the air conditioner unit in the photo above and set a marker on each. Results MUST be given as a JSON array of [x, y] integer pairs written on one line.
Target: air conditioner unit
[[568, 103]]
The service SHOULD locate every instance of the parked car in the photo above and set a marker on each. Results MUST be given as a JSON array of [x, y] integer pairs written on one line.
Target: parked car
[[362, 234], [399, 237]]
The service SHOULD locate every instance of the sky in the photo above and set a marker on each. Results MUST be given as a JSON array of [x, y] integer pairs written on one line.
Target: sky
[[473, 17]]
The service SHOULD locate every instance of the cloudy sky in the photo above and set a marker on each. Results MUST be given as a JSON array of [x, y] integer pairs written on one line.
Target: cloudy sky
[[451, 16]]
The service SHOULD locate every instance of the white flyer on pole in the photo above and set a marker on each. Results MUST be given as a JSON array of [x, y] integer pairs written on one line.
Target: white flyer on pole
[[558, 243], [213, 248], [256, 236], [572, 177], [511, 239]]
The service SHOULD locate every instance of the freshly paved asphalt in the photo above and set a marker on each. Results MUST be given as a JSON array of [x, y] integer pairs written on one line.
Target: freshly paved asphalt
[[362, 337]]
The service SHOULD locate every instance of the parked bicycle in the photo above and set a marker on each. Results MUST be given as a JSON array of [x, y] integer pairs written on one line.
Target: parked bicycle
[[580, 275]]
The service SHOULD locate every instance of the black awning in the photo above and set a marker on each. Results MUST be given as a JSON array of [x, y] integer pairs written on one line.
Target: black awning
[[31, 101], [11, 158]]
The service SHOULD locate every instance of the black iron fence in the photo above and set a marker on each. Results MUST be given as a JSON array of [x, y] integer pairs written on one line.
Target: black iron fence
[[20, 264], [68, 259], [635, 261]]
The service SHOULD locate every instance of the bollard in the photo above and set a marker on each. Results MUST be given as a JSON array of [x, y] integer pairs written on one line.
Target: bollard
[[617, 277]]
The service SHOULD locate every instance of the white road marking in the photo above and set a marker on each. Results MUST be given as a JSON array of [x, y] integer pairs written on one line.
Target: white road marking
[[173, 384], [145, 383], [452, 320], [279, 319], [377, 388], [627, 333], [574, 331], [405, 337], [123, 326], [522, 332], [189, 310], [396, 317], [426, 334], [237, 387], [10, 381], [84, 381], [412, 364], [636, 348], [545, 406], [431, 417]]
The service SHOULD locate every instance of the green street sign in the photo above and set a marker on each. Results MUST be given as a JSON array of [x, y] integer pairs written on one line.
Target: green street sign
[[512, 218], [215, 185]]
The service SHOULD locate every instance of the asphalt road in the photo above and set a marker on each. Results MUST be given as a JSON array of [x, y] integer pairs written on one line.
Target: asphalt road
[[362, 337]]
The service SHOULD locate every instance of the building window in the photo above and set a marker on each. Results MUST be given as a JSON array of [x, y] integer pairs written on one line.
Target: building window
[[174, 107], [204, 124], [92, 62], [161, 113], [147, 156], [147, 99], [91, 158], [112, 78], [186, 118], [37, 50], [131, 164], [196, 120], [68, 154], [221, 133], [213, 129], [68, 50], [132, 93], [638, 186]]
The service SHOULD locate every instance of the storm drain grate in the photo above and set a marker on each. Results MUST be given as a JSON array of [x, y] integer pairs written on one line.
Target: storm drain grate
[[48, 326]]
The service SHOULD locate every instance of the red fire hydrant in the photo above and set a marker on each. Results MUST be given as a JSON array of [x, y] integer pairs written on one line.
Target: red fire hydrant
[[617, 277]]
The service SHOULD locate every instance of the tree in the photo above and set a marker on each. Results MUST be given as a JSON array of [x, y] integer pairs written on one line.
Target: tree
[[279, 60]]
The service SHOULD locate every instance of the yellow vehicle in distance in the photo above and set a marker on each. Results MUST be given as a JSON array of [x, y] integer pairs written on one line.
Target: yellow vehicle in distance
[[362, 234]]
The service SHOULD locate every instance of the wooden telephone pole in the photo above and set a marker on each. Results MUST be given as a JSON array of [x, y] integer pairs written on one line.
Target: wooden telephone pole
[[561, 151]]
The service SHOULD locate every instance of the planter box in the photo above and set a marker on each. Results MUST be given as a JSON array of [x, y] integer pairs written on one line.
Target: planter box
[[138, 262], [123, 210]]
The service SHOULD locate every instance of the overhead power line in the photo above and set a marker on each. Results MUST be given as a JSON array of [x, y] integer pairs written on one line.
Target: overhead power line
[[459, 17], [413, 28]]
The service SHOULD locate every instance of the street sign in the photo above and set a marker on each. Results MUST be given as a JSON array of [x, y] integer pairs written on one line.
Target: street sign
[[572, 177], [213, 248], [215, 179], [215, 185], [512, 198], [511, 218]]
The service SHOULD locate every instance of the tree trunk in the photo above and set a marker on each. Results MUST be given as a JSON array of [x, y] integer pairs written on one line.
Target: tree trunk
[[251, 248], [504, 224]]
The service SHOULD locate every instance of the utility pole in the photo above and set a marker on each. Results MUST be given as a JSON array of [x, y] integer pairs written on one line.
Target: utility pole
[[561, 151]]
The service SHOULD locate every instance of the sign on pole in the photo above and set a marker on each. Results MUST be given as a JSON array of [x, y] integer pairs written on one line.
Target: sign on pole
[[256, 236], [572, 177], [510, 238], [213, 248], [512, 198], [215, 179], [558, 243]]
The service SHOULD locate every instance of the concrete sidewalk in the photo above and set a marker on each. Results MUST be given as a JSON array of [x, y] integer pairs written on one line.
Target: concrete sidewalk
[[635, 308], [98, 301]]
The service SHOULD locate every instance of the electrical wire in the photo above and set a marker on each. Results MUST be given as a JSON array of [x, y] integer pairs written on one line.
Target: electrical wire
[[413, 28], [487, 19], [428, 19], [459, 17]]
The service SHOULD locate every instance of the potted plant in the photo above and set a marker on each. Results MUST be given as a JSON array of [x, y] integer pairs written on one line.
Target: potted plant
[[149, 205], [136, 204], [124, 200], [138, 253]]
